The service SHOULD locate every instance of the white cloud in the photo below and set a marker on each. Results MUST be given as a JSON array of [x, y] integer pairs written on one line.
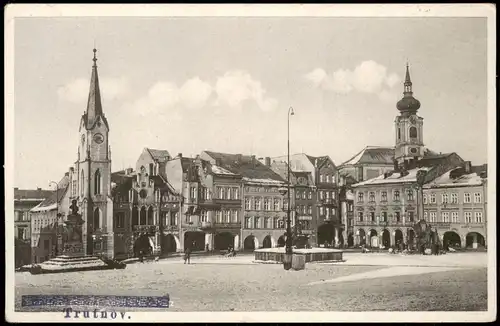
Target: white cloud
[[77, 90], [237, 87], [231, 90], [368, 77]]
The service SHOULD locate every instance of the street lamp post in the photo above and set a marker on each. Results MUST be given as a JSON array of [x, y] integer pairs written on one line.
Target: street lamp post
[[57, 215], [287, 262]]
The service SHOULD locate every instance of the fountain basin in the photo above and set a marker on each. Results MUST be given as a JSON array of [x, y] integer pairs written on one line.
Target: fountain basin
[[315, 254]]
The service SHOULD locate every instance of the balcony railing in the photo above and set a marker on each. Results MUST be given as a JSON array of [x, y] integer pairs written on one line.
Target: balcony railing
[[230, 225], [145, 228], [170, 228]]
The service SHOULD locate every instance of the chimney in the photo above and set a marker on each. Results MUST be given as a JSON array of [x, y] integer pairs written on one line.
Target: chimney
[[468, 167], [16, 188], [128, 171], [71, 169], [179, 155], [66, 174], [268, 161], [36, 189]]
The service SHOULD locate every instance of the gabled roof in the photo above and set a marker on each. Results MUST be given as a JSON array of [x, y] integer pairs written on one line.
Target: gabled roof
[[55, 198], [319, 160], [159, 155], [372, 155], [29, 194], [247, 166]]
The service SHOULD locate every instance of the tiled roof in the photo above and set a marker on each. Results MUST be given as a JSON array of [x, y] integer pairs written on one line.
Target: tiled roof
[[246, 166], [159, 155], [29, 194], [319, 159], [56, 196]]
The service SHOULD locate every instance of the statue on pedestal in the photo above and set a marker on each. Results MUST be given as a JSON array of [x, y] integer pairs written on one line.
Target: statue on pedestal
[[73, 245]]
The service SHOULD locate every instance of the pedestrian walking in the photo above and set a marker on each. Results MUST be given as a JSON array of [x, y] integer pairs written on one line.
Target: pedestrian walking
[[187, 255]]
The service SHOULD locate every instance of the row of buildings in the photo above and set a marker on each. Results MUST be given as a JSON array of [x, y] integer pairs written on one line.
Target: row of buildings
[[218, 200]]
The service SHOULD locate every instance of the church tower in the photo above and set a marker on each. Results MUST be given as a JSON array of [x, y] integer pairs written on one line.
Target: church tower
[[93, 169], [409, 126]]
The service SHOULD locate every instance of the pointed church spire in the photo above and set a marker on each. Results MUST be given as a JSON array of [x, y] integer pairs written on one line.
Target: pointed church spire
[[408, 83], [94, 105]]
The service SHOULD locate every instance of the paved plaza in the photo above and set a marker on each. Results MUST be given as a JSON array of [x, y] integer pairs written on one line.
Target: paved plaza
[[374, 281]]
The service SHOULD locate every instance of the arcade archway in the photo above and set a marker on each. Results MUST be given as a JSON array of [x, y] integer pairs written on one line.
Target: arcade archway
[[373, 236], [268, 242], [451, 239], [143, 246], [475, 240], [250, 243], [223, 240], [398, 237], [194, 240], [362, 237], [169, 243], [281, 241], [386, 239]]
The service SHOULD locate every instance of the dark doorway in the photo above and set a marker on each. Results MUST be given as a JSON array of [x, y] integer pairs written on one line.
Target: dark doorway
[[195, 240], [223, 241], [325, 234], [168, 244], [398, 237], [142, 246], [281, 241], [249, 243], [362, 237], [451, 239], [267, 243]]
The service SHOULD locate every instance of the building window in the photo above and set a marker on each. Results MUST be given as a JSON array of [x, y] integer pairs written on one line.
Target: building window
[[360, 197], [297, 194], [411, 216], [444, 198], [257, 204], [410, 195], [309, 194], [399, 133], [454, 198], [321, 178], [321, 195], [285, 204], [371, 197], [192, 193], [247, 204], [396, 195], [425, 216], [257, 222], [433, 217], [454, 217], [267, 204], [73, 188], [204, 216], [218, 216], [398, 216], [236, 193], [82, 184], [20, 233], [97, 182], [384, 216], [477, 198], [478, 217], [372, 216], [383, 196], [269, 223], [360, 216], [468, 217], [276, 204], [467, 198], [309, 210], [227, 216], [119, 220], [445, 216], [413, 132], [425, 198], [433, 198], [150, 216], [248, 222], [236, 216]]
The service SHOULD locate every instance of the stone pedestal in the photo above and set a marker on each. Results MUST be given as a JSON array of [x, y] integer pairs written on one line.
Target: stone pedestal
[[298, 262]]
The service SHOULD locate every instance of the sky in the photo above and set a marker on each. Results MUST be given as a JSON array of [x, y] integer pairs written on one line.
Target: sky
[[188, 84]]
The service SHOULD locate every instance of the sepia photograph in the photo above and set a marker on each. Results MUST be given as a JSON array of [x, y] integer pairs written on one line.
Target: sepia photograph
[[250, 163]]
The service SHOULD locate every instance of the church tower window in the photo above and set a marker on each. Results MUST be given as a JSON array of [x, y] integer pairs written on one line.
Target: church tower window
[[97, 182], [143, 216], [413, 132], [82, 184]]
